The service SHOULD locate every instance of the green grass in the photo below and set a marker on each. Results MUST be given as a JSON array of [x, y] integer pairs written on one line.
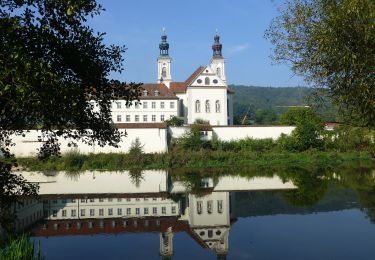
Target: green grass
[[20, 248], [189, 159]]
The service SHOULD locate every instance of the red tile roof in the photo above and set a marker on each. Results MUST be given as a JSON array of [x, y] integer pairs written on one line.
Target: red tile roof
[[182, 86], [164, 91], [230, 91]]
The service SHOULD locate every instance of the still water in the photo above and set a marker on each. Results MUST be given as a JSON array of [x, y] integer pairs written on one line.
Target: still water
[[291, 214]]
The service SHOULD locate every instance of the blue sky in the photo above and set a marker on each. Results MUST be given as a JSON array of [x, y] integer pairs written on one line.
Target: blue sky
[[190, 26]]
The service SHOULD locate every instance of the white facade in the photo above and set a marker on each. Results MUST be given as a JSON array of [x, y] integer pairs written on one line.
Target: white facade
[[145, 111]]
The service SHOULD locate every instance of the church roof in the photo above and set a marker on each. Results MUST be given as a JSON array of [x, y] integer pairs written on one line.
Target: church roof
[[182, 86], [156, 91], [230, 91]]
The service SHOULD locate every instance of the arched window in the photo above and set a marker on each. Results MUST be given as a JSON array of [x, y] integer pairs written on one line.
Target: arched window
[[218, 72], [207, 81], [208, 109], [217, 106], [197, 106], [199, 207], [164, 72]]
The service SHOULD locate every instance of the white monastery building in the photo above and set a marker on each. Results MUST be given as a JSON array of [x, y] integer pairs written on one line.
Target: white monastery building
[[203, 95]]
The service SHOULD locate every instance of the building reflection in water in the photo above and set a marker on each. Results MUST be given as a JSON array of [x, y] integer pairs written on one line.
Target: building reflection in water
[[112, 203]]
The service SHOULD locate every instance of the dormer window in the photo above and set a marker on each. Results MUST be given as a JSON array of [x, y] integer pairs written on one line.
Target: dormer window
[[156, 93], [145, 93]]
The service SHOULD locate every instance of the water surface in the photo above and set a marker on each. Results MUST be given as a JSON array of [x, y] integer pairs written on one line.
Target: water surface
[[296, 214]]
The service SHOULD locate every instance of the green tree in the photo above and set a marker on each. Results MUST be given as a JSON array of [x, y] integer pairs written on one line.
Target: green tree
[[331, 43], [265, 116], [307, 133], [53, 69], [53, 66], [175, 121]]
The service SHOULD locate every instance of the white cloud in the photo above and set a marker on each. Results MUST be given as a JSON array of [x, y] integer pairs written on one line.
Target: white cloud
[[239, 48]]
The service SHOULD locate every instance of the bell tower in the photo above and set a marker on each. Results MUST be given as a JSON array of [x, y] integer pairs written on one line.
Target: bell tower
[[164, 61], [217, 61], [166, 244]]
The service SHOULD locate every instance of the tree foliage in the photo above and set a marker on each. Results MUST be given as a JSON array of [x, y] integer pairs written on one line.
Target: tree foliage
[[331, 43], [307, 133], [52, 66], [175, 121]]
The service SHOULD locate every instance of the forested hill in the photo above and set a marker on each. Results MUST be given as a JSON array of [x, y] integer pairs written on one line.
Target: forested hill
[[263, 105]]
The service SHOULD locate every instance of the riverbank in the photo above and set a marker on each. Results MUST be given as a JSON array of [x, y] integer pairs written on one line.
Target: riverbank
[[190, 159]]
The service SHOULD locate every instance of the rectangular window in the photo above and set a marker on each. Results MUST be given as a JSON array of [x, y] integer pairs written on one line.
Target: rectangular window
[[118, 118], [110, 212], [137, 211], [163, 210], [128, 199], [154, 210], [92, 200], [83, 200], [119, 199], [137, 105], [101, 212], [144, 118], [101, 200], [136, 118], [127, 118], [110, 200], [153, 118], [119, 211], [63, 212], [171, 105], [63, 201], [145, 211], [162, 118], [174, 210], [73, 200], [83, 212], [73, 213], [145, 105], [118, 104], [153, 104], [162, 104], [54, 213], [92, 212], [128, 211]]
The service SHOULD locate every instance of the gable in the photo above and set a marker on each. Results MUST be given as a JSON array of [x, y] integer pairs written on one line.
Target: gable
[[207, 78]]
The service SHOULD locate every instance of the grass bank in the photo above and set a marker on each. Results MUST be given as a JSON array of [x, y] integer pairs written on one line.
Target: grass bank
[[191, 159]]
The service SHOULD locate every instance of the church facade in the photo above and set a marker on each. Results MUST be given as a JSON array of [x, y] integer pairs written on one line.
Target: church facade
[[204, 95]]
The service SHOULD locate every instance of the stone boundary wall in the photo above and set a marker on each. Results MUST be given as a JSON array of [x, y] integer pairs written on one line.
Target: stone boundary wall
[[228, 133], [154, 140]]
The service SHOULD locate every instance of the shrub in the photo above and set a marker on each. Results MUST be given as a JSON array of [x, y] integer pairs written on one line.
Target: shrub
[[175, 121]]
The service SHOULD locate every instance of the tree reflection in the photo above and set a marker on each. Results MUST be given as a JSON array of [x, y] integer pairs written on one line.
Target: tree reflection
[[136, 177]]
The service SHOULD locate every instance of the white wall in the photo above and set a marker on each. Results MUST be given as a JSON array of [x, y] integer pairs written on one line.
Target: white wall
[[154, 140], [132, 111], [202, 94], [256, 132]]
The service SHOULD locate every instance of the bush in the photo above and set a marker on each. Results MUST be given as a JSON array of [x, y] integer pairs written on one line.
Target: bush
[[308, 131], [175, 121]]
